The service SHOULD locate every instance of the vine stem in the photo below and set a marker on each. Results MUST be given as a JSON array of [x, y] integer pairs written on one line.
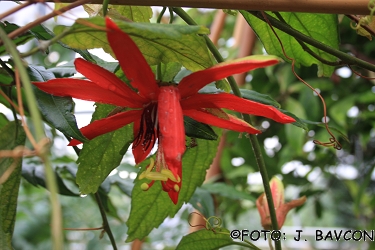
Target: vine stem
[[344, 57], [105, 225], [253, 138], [43, 152]]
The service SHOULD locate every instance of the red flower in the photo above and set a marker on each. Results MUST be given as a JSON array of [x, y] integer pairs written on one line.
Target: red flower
[[281, 208], [157, 109]]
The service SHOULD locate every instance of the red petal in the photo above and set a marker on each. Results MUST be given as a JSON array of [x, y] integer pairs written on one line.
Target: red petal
[[106, 125], [171, 135], [229, 101], [131, 61], [197, 80], [171, 125], [140, 152], [233, 123], [81, 89], [107, 80]]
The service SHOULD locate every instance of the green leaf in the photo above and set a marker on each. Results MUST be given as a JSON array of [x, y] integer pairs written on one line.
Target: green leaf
[[299, 122], [296, 138], [198, 130], [65, 70], [321, 27], [157, 42], [21, 39], [258, 97], [246, 93], [150, 208], [203, 202], [225, 190], [206, 240], [139, 14], [101, 155], [11, 136], [58, 111], [338, 111], [169, 71], [33, 172]]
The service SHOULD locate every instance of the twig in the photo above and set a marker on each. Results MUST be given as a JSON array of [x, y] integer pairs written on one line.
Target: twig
[[106, 226], [17, 8], [42, 19]]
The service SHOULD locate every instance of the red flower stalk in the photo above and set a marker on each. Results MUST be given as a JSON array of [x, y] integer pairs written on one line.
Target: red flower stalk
[[281, 208], [157, 110]]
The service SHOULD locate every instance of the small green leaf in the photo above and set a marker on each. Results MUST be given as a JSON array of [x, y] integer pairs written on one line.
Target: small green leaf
[[34, 174], [150, 208], [21, 39], [157, 42], [101, 155], [198, 130], [225, 190], [203, 202], [321, 27], [246, 93], [206, 240], [11, 136], [258, 97], [58, 111], [169, 71], [299, 122]]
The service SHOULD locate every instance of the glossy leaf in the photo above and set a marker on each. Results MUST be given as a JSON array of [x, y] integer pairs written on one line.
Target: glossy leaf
[[101, 155], [321, 27], [11, 136], [247, 94], [58, 111], [175, 43], [198, 130], [150, 208]]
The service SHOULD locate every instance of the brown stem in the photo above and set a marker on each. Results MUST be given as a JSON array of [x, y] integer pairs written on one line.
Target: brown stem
[[38, 21], [358, 7], [15, 9]]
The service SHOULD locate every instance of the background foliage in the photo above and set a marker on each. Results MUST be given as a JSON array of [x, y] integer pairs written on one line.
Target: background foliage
[[339, 184]]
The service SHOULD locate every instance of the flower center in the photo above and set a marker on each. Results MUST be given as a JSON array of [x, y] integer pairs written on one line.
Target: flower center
[[148, 128]]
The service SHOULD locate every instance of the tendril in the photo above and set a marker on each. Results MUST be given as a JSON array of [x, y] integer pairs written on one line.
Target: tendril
[[333, 142], [216, 222]]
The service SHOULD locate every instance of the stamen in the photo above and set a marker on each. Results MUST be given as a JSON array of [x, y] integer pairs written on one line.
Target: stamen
[[176, 188], [148, 169], [170, 175], [145, 186]]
